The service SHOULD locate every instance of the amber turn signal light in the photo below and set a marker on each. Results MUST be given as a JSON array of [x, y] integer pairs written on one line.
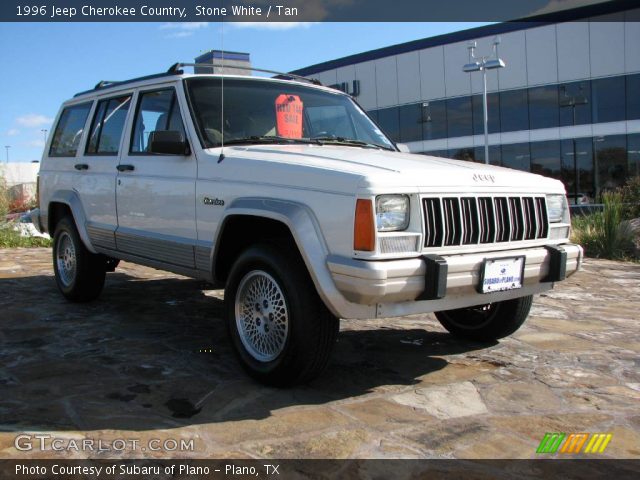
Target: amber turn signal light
[[364, 237]]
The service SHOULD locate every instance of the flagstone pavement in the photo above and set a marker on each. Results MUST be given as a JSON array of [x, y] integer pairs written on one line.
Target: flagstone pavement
[[147, 371]]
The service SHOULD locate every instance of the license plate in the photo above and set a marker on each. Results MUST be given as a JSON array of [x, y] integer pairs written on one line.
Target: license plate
[[499, 274]]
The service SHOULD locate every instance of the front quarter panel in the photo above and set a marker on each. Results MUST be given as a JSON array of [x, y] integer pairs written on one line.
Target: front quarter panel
[[310, 241]]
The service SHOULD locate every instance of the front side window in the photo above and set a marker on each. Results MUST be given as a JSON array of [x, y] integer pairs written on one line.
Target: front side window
[[108, 123], [68, 132], [256, 111], [158, 110]]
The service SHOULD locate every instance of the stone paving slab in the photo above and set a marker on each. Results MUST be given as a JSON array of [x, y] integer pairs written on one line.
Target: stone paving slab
[[149, 361]]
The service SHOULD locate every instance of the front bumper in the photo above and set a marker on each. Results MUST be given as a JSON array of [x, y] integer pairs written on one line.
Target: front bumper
[[382, 283]]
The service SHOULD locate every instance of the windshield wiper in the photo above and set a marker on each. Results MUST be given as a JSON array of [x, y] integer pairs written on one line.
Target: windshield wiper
[[351, 142], [255, 139]]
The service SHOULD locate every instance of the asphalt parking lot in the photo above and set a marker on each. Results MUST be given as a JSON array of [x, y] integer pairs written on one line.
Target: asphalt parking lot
[[150, 361]]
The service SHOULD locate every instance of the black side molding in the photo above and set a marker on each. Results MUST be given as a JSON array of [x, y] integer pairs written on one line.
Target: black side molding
[[435, 278], [557, 264]]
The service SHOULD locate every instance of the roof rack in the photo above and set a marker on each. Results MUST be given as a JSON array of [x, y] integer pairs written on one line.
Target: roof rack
[[104, 83], [176, 70]]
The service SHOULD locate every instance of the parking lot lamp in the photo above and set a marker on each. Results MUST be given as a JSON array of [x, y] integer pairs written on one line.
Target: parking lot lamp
[[482, 65]]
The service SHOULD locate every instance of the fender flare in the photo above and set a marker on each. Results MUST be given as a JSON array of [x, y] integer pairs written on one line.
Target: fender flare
[[72, 200], [306, 232]]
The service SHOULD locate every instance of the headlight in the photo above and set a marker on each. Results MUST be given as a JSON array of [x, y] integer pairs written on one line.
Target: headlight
[[392, 212], [556, 208]]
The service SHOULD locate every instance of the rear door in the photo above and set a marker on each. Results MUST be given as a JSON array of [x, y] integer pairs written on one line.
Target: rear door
[[155, 193], [96, 169]]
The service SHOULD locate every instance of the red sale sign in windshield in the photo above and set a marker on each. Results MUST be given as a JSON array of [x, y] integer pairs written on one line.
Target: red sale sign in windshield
[[289, 116]]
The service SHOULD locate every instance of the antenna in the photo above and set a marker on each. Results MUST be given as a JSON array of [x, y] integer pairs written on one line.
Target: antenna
[[221, 158]]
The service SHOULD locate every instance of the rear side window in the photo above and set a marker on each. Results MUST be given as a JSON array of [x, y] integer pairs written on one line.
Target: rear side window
[[108, 123], [68, 132], [157, 110]]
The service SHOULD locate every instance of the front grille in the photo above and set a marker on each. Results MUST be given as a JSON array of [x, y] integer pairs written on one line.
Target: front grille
[[453, 221]]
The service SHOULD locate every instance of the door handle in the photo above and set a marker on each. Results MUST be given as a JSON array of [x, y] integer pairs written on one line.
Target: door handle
[[126, 168], [81, 166]]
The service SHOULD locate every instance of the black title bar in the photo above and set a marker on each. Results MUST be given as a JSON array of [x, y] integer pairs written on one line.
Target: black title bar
[[313, 10]]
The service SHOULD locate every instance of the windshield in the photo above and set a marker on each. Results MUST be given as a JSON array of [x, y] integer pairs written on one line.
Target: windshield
[[256, 111]]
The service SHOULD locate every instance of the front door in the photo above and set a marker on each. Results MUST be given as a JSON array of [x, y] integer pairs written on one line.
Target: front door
[[155, 193]]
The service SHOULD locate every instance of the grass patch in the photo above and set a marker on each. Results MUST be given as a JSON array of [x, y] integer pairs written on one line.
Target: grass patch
[[9, 238]]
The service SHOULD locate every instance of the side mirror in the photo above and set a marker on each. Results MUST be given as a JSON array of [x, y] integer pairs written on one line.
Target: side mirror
[[403, 147], [168, 142]]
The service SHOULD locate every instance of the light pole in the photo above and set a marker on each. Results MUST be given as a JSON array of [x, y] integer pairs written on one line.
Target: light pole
[[573, 101], [7, 147], [44, 131], [482, 65]]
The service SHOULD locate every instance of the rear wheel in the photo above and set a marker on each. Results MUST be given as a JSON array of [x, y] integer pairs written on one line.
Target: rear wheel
[[281, 331], [79, 273], [487, 322]]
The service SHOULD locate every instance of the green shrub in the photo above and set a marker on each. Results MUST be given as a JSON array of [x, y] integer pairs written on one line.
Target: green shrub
[[631, 198], [9, 238], [4, 199], [604, 234]]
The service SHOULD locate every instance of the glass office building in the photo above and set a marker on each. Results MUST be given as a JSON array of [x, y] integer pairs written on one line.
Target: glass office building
[[567, 105]]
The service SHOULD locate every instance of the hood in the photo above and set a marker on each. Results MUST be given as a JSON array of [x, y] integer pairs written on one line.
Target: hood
[[381, 170]]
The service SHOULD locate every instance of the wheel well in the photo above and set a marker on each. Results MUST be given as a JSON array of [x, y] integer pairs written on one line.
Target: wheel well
[[240, 232], [57, 211]]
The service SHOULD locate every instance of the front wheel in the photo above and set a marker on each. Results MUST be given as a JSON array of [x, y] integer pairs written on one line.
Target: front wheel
[[281, 331], [487, 322]]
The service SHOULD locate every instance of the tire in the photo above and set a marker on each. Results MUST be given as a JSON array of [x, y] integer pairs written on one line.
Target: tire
[[487, 322], [79, 273], [280, 329]]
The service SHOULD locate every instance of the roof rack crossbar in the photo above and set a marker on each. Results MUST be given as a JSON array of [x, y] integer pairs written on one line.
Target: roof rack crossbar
[[176, 69]]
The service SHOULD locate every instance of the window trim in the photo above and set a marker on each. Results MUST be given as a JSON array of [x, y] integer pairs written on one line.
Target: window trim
[[88, 140], [174, 102], [55, 130]]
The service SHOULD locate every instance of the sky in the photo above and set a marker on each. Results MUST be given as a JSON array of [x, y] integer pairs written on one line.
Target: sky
[[47, 63]]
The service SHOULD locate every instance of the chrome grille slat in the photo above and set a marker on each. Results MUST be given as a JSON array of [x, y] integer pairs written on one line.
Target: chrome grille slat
[[433, 222], [503, 227], [469, 212], [468, 220], [515, 210], [453, 230], [541, 207], [529, 218]]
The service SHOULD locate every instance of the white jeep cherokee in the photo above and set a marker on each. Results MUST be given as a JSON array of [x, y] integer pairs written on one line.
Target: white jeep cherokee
[[290, 197]]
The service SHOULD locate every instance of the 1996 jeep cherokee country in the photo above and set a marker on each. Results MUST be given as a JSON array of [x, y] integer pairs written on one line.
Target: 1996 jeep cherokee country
[[290, 197]]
